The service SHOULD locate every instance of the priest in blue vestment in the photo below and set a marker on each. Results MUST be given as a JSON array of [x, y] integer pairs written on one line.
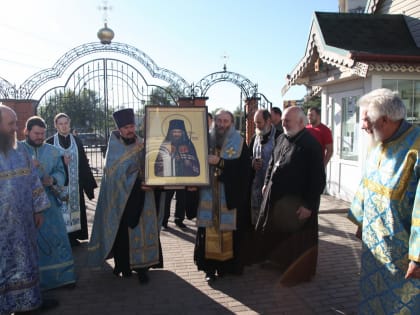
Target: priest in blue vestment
[[224, 217], [386, 208], [56, 261], [22, 200], [126, 225]]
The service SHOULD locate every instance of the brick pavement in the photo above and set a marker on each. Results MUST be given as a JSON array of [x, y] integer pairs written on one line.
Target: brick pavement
[[180, 289]]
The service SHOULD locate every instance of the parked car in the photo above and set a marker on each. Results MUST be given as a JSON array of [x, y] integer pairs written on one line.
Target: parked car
[[93, 140]]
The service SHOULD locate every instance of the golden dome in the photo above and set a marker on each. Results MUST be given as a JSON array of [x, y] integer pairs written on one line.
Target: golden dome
[[105, 35]]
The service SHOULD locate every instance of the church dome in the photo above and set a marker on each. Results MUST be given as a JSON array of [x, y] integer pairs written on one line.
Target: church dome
[[105, 35]]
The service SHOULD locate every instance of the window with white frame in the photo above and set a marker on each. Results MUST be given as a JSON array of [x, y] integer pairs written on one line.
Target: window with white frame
[[349, 128], [409, 91]]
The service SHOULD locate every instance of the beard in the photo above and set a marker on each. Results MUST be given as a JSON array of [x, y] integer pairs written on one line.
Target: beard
[[32, 143], [262, 132], [220, 138], [222, 131], [7, 141], [221, 134], [128, 141], [176, 141], [372, 141], [291, 133], [217, 137]]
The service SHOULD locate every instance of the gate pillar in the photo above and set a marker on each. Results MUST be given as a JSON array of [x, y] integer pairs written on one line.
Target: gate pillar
[[24, 109], [251, 106], [192, 101]]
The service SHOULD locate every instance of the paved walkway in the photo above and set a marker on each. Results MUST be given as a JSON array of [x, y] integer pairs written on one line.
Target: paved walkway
[[180, 289]]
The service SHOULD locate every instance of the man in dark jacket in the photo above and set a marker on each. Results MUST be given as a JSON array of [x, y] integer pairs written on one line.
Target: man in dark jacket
[[288, 220], [261, 145]]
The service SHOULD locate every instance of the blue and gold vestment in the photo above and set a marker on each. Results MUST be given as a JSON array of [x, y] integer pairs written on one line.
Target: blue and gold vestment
[[122, 167], [21, 195], [387, 207], [56, 261]]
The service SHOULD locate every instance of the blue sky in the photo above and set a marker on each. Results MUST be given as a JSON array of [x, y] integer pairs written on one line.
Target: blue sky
[[262, 39]]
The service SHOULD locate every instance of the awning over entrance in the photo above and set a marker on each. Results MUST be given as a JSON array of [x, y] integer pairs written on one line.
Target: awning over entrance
[[342, 45]]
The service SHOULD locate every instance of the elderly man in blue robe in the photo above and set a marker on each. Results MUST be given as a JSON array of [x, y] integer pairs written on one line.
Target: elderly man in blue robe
[[22, 200], [223, 217], [126, 218], [55, 255], [386, 208]]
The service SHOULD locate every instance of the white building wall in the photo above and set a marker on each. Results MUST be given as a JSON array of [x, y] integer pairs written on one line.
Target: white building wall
[[343, 176], [352, 6], [406, 7]]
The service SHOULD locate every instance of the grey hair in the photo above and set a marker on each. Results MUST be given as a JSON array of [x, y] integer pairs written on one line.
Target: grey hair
[[383, 102], [300, 114], [265, 114], [224, 111]]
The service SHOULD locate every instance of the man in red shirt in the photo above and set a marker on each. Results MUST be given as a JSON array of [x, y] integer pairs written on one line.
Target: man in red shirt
[[321, 133]]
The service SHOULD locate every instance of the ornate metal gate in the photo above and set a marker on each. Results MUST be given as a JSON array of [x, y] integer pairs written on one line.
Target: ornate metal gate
[[93, 80], [93, 88]]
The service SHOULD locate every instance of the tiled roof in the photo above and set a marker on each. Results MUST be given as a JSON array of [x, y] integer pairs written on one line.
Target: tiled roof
[[384, 34], [355, 41]]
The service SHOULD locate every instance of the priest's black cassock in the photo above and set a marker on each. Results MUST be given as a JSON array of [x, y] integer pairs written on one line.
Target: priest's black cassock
[[295, 177]]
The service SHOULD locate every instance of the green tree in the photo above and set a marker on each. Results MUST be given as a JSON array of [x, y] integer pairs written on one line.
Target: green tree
[[86, 109], [163, 96], [312, 102]]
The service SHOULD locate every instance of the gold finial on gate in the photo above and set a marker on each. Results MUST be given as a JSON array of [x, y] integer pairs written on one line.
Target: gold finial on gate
[[105, 34]]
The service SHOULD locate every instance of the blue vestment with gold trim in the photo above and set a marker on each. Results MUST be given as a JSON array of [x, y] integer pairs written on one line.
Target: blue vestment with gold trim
[[56, 261], [122, 167], [223, 216], [231, 150], [21, 195], [387, 207]]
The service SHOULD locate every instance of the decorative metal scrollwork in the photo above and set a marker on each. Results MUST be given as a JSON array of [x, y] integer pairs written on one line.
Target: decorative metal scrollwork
[[202, 86], [29, 87], [181, 87], [263, 101], [7, 90]]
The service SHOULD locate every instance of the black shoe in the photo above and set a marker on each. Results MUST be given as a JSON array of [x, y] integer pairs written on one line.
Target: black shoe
[[210, 277], [122, 274], [48, 304], [180, 224], [75, 242], [70, 286], [165, 225], [144, 278]]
